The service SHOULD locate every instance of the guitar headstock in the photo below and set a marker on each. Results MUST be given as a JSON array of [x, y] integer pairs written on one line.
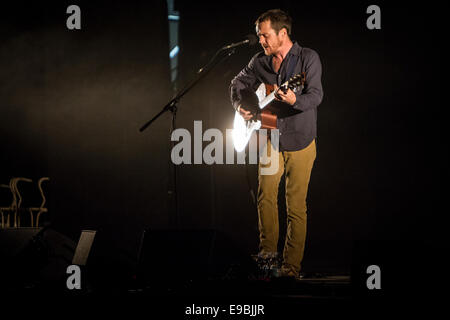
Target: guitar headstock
[[297, 80]]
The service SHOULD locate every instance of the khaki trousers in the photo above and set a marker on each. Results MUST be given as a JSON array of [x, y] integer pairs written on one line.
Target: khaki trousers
[[297, 166]]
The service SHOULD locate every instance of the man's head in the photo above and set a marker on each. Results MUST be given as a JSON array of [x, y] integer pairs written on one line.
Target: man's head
[[273, 28]]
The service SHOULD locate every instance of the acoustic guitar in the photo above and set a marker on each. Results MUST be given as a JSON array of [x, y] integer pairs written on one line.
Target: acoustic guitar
[[267, 111]]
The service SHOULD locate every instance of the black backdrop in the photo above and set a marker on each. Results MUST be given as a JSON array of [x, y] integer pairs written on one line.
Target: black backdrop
[[72, 103]]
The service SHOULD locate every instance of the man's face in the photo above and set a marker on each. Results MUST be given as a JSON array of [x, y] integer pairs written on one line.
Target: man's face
[[268, 38]]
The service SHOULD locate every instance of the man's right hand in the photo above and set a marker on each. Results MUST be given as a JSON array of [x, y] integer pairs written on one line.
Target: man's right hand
[[247, 115]]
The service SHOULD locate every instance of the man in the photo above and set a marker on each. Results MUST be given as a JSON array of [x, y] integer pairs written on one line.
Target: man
[[283, 58]]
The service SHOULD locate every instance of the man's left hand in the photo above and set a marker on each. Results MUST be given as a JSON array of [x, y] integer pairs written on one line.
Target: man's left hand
[[289, 97]]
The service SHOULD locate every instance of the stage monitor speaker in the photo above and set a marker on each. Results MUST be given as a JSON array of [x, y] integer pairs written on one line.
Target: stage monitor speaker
[[34, 256], [14, 240], [174, 255], [39, 257]]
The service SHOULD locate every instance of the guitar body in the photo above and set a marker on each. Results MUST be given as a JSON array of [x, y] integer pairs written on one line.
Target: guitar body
[[269, 112]]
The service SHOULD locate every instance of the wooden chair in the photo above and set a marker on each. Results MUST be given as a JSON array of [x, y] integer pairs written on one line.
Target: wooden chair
[[19, 199], [6, 211], [38, 210], [41, 209], [16, 204]]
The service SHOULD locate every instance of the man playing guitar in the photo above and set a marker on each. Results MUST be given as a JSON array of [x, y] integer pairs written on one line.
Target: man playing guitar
[[283, 58]]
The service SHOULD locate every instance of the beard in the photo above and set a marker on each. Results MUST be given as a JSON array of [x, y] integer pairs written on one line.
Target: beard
[[272, 49]]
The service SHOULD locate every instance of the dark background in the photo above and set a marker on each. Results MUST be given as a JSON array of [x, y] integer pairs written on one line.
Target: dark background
[[72, 103]]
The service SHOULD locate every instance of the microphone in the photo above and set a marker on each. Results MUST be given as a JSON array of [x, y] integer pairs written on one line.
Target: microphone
[[250, 39]]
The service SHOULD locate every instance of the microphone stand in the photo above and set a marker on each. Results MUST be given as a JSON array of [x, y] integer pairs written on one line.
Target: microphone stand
[[172, 107]]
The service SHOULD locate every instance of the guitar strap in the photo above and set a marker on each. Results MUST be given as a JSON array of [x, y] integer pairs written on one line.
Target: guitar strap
[[293, 61], [290, 67], [290, 70]]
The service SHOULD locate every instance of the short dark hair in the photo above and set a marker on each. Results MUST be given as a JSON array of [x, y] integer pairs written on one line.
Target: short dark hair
[[278, 20]]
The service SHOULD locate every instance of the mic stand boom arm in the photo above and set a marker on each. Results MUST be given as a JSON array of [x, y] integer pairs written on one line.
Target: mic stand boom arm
[[201, 73]]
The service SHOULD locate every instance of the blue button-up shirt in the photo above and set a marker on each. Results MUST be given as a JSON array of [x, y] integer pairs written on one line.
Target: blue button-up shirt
[[299, 126]]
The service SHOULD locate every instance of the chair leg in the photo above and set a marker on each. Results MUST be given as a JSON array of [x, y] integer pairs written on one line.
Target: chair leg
[[37, 218], [31, 217]]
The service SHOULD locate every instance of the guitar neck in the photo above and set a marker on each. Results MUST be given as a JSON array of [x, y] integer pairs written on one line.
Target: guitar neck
[[270, 97]]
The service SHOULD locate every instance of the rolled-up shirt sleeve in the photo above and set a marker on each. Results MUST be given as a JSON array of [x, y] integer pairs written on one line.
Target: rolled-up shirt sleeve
[[244, 80], [312, 93]]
